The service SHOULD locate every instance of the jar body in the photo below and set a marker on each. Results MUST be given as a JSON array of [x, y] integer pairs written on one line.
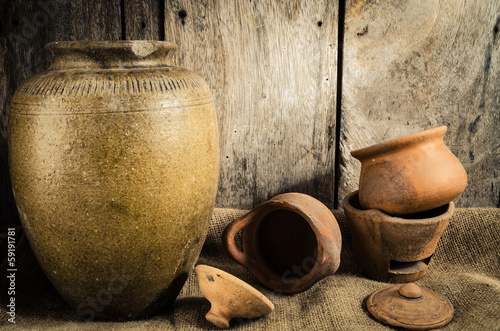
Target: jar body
[[114, 172]]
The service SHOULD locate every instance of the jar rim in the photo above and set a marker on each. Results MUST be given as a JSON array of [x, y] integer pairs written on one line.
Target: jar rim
[[109, 44], [110, 54]]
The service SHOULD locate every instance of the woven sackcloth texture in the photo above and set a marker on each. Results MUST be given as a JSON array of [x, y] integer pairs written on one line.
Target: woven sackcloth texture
[[465, 269]]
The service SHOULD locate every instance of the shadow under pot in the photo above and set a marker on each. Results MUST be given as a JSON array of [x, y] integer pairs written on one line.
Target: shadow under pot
[[394, 249], [288, 243]]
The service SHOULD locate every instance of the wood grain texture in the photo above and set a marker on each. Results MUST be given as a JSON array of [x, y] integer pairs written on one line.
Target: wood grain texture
[[141, 20], [415, 65], [272, 68], [408, 66], [26, 26]]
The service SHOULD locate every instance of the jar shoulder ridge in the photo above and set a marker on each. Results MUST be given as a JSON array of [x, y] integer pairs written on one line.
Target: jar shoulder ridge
[[105, 82]]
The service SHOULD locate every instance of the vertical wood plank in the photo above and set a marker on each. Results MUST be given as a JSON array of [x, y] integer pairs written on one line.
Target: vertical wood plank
[[141, 19], [26, 25], [272, 68], [414, 65]]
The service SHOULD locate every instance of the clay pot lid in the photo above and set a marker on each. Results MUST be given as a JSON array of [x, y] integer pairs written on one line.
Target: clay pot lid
[[410, 306], [230, 297]]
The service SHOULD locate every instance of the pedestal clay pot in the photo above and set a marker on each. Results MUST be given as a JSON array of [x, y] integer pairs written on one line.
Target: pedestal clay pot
[[394, 249], [289, 242], [113, 156], [410, 174], [230, 297]]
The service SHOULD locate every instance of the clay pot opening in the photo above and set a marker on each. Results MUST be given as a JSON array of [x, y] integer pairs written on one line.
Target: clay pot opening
[[287, 244]]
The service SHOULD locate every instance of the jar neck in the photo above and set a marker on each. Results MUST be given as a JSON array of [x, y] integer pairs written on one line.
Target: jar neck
[[110, 54]]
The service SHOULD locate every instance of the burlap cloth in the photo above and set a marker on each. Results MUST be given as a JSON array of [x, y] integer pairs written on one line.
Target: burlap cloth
[[465, 269]]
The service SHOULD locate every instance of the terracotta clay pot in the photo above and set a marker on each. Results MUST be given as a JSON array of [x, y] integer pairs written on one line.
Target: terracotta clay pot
[[410, 306], [410, 174], [288, 243], [230, 297], [114, 162], [394, 249]]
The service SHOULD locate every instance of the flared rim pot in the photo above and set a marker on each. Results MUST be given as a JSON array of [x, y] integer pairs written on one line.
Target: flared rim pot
[[394, 249], [409, 174], [288, 243], [114, 161]]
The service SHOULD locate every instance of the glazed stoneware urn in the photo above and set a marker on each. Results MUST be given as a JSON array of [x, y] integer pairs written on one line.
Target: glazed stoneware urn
[[410, 174], [114, 161], [394, 249], [288, 243]]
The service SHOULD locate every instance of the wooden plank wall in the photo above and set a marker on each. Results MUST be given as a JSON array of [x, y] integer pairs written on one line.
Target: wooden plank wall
[[272, 65], [272, 68]]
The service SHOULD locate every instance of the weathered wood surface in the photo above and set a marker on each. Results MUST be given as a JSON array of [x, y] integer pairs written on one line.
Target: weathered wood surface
[[414, 65], [272, 68], [408, 66], [26, 26], [141, 20]]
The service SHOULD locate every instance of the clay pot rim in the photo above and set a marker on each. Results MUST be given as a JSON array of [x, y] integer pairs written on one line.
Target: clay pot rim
[[391, 145], [393, 218]]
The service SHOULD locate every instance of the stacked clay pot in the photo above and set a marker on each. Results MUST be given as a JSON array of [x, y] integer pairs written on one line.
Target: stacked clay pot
[[404, 203]]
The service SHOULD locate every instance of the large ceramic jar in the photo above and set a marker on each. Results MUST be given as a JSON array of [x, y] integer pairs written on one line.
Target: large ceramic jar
[[113, 154]]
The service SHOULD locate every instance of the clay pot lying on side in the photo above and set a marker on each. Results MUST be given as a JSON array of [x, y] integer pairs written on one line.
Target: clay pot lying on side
[[394, 249], [410, 174], [289, 242], [230, 297]]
